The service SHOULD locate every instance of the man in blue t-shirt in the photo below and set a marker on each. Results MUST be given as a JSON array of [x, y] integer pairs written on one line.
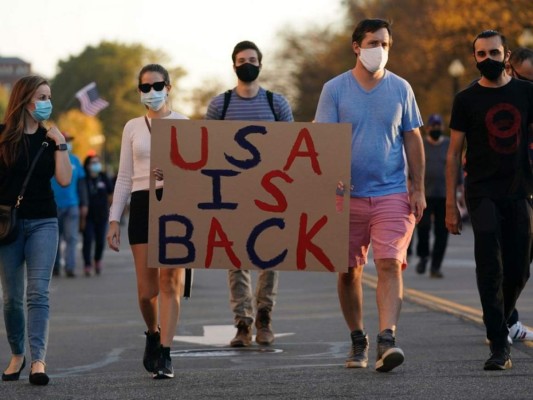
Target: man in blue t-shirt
[[72, 206], [248, 101], [385, 122]]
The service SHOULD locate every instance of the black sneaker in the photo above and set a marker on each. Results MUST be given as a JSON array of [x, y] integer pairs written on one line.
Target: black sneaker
[[436, 274], [358, 357], [500, 359], [163, 368], [389, 355], [421, 266], [151, 350]]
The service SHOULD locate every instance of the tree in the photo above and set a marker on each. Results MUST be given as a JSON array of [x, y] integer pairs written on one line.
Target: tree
[[114, 67], [4, 99], [85, 130], [199, 98], [427, 36], [307, 65]]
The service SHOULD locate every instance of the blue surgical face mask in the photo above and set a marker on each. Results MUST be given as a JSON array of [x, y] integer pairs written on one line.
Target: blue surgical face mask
[[95, 168], [154, 99], [43, 110]]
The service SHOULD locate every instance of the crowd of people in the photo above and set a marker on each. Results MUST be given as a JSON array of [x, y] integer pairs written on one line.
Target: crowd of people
[[399, 178]]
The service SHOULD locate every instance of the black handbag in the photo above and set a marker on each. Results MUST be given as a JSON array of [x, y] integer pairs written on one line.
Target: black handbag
[[8, 214]]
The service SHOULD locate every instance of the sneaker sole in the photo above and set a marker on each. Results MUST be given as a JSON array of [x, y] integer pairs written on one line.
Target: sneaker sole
[[163, 376], [521, 337], [356, 364], [391, 359], [497, 367], [264, 342], [240, 344]]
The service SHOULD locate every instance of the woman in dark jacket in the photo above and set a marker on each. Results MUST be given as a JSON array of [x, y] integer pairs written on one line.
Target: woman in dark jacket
[[99, 190]]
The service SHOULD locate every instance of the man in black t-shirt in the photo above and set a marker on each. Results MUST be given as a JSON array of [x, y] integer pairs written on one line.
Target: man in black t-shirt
[[495, 117]]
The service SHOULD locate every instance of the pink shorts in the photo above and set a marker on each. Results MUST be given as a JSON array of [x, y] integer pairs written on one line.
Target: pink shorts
[[385, 221]]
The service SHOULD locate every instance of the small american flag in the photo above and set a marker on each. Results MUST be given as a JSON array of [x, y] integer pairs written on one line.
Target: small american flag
[[90, 101]]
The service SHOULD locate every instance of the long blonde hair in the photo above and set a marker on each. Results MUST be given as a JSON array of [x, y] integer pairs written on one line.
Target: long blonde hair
[[11, 137]]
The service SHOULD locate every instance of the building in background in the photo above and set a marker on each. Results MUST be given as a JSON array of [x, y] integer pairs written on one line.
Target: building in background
[[12, 69]]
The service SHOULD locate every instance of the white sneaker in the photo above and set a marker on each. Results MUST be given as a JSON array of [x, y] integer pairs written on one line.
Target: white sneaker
[[519, 332]]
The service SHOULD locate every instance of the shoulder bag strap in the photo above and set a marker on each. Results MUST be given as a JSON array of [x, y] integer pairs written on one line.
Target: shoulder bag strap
[[270, 98], [44, 145], [227, 99], [148, 124]]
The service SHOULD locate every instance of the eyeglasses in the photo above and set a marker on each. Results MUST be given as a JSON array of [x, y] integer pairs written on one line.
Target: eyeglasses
[[146, 87]]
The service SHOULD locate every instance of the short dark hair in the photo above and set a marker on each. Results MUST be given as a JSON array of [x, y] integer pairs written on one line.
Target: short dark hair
[[487, 34], [519, 55], [370, 25], [155, 68], [246, 45]]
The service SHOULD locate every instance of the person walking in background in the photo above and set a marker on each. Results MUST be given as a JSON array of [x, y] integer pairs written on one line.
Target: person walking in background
[[498, 185], [248, 101], [385, 120], [435, 149], [71, 213], [99, 192], [26, 263], [159, 289], [520, 66]]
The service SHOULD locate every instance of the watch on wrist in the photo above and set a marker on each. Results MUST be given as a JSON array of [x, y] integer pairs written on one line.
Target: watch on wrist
[[61, 147]]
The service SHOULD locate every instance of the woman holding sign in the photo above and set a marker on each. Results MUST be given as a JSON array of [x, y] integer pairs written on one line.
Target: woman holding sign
[[159, 290]]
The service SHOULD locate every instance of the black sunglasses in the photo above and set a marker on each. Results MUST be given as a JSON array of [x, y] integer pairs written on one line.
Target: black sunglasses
[[146, 87]]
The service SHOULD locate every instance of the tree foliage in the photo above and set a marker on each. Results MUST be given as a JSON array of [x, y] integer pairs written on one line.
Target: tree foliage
[[4, 99], [427, 36], [114, 67], [200, 97], [85, 130], [309, 59]]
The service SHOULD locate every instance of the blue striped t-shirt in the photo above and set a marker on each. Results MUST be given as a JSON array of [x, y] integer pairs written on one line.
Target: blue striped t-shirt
[[250, 109]]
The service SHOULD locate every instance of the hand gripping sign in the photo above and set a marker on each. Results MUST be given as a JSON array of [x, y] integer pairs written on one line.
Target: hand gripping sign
[[249, 195]]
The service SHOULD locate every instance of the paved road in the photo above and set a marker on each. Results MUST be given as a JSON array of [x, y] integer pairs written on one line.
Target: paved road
[[96, 342]]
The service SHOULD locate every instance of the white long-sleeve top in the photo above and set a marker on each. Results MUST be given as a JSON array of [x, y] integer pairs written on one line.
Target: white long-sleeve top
[[134, 165]]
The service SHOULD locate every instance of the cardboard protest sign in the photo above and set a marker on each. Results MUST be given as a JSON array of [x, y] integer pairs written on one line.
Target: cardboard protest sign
[[249, 195]]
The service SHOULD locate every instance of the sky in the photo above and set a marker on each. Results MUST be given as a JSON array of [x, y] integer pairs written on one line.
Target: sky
[[198, 35]]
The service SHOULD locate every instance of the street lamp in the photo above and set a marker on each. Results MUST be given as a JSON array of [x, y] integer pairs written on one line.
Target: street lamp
[[526, 38], [456, 70]]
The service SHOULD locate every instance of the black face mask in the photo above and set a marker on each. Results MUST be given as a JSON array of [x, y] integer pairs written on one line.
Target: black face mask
[[435, 134], [247, 72], [491, 69]]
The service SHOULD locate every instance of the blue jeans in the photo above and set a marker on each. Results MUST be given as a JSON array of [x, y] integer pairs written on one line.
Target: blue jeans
[[35, 247], [69, 226]]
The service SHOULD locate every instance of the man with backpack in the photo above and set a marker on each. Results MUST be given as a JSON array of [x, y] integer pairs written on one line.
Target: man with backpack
[[248, 101]]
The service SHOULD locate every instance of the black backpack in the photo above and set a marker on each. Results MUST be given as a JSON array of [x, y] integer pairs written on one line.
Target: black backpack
[[227, 99]]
